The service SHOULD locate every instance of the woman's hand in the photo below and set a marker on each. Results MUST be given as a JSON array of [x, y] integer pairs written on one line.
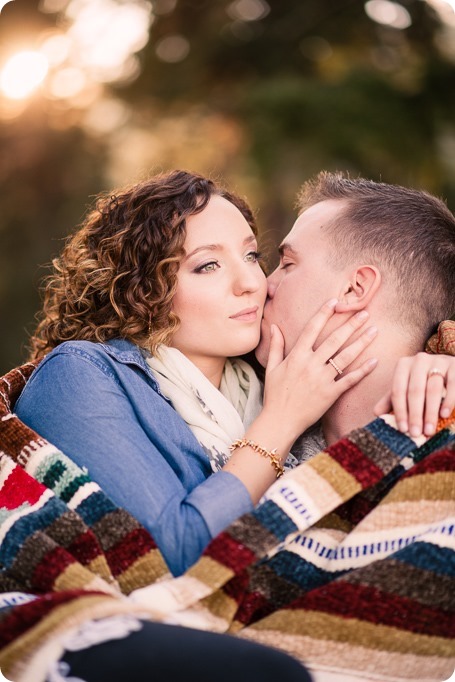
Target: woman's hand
[[298, 390], [423, 390], [301, 387]]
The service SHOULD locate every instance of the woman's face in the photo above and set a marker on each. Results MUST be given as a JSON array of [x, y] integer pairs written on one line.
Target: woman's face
[[221, 288]]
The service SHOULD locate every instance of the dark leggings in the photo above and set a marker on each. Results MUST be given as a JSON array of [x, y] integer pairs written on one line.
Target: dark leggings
[[170, 653]]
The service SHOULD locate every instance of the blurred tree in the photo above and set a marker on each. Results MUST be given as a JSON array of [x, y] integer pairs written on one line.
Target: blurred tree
[[263, 93], [46, 177], [315, 84]]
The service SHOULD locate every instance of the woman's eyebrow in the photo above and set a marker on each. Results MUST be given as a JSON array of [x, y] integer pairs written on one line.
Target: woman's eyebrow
[[217, 247], [204, 247]]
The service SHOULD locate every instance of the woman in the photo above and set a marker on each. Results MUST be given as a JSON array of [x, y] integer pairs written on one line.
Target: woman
[[158, 288]]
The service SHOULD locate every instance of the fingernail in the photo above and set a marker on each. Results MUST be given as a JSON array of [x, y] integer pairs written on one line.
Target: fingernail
[[445, 412], [429, 429], [372, 362], [403, 426], [415, 431], [371, 331], [332, 303], [362, 315]]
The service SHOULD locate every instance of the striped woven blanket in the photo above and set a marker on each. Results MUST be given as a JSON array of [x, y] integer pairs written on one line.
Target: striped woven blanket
[[348, 562]]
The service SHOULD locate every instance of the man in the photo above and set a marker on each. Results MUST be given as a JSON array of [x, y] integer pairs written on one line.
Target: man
[[382, 248], [359, 582]]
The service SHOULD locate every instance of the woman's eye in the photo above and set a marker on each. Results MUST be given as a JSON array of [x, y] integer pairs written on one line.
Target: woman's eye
[[253, 256], [207, 267]]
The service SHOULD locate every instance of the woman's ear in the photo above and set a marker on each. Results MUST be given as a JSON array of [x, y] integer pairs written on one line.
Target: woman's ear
[[360, 289]]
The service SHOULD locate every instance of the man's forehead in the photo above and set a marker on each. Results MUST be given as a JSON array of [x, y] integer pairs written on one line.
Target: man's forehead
[[294, 242], [302, 232], [310, 223]]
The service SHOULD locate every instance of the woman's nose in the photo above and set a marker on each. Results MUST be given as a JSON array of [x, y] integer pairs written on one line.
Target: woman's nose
[[248, 279]]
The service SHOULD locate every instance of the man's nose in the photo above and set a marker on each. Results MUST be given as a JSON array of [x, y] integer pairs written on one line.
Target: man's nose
[[272, 284]]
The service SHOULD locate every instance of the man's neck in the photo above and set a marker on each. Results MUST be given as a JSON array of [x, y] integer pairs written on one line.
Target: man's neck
[[355, 408]]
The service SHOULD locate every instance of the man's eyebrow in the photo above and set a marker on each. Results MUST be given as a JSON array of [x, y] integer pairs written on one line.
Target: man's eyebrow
[[217, 247], [285, 247]]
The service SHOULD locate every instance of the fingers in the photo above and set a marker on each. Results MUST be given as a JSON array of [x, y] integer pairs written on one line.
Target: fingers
[[427, 388], [338, 338], [345, 357], [352, 378], [276, 351], [315, 325], [423, 388], [418, 393], [399, 393], [435, 390], [448, 404]]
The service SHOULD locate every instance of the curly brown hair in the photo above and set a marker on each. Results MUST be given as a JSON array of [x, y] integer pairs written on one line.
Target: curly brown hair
[[117, 275]]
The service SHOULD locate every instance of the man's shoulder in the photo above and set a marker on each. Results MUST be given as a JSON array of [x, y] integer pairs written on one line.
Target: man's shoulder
[[309, 443]]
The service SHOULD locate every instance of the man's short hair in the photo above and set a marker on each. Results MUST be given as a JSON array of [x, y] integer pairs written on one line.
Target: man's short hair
[[408, 233]]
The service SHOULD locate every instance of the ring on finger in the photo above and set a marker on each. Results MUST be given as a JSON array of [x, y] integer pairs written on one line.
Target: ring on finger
[[434, 371], [335, 366]]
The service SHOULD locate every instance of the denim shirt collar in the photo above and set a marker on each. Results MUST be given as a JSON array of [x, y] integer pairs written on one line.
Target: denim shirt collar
[[127, 353]]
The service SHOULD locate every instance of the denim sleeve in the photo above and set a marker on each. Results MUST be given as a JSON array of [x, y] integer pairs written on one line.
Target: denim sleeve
[[85, 411]]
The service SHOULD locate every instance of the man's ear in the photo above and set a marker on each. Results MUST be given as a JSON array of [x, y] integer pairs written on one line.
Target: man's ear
[[360, 289]]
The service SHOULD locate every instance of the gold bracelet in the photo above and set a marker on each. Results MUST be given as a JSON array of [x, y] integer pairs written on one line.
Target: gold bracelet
[[270, 454]]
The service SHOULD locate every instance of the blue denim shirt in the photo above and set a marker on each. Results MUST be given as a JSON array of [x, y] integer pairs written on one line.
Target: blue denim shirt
[[100, 404]]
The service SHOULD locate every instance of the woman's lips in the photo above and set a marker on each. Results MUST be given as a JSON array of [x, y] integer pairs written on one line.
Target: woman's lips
[[246, 315]]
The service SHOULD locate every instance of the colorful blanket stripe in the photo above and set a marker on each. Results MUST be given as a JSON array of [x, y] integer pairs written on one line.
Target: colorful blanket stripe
[[62, 541], [348, 562]]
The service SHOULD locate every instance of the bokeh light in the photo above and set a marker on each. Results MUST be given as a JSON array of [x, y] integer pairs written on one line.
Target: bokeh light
[[248, 10], [389, 13], [67, 82], [96, 42], [172, 48], [105, 116], [52, 6], [105, 34], [23, 73], [445, 9], [56, 48]]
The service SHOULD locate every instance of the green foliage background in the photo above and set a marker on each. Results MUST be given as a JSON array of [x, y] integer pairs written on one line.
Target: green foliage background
[[262, 104]]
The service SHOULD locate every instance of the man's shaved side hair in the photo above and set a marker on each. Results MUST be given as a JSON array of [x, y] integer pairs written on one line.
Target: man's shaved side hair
[[409, 234]]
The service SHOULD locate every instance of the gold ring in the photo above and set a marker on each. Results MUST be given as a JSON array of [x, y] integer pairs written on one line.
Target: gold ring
[[335, 366], [434, 371]]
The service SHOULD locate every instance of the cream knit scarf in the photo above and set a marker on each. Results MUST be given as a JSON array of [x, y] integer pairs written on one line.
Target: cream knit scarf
[[216, 417]]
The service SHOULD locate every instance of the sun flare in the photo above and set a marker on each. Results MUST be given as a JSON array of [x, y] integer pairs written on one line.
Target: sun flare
[[23, 74]]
